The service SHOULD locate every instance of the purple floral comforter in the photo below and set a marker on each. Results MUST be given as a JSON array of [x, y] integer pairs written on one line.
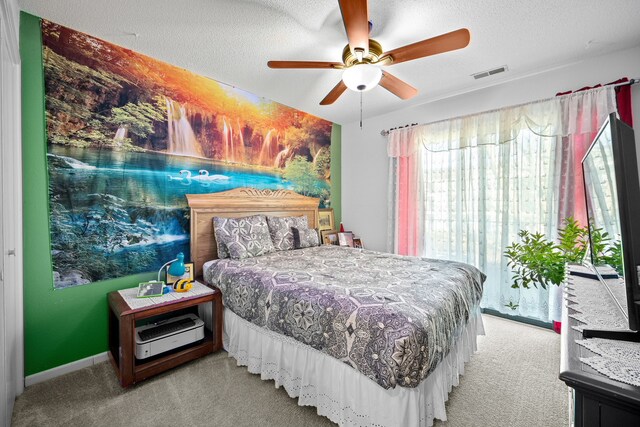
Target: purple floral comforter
[[393, 318]]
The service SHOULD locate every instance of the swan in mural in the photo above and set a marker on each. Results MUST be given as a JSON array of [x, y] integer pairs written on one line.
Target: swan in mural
[[180, 178], [203, 175], [184, 180], [187, 179]]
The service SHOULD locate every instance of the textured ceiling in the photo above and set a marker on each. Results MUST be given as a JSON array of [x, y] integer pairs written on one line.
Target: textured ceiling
[[232, 40]]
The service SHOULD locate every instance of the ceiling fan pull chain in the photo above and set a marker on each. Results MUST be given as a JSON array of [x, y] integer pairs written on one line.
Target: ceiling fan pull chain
[[360, 110]]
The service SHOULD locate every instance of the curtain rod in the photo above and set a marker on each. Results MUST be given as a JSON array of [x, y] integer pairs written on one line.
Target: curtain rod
[[385, 132]]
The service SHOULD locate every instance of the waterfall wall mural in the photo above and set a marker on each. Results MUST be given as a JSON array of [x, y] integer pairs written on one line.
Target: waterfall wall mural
[[129, 136]]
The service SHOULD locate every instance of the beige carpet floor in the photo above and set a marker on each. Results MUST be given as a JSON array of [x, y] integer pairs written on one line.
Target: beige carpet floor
[[512, 381]]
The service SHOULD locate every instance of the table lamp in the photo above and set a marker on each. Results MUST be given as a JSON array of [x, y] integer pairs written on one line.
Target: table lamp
[[176, 268]]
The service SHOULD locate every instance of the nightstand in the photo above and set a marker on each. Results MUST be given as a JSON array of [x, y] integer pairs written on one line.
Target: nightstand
[[126, 312]]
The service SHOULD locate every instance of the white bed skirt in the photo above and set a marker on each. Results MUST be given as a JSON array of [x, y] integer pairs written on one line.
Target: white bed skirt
[[339, 392]]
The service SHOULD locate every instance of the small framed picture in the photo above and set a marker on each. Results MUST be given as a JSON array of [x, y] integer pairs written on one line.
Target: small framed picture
[[326, 220], [357, 243], [188, 274], [150, 289], [345, 238], [329, 237]]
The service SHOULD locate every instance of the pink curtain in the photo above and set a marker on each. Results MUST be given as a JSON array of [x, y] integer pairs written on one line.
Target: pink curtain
[[572, 198], [403, 150], [575, 145], [408, 206]]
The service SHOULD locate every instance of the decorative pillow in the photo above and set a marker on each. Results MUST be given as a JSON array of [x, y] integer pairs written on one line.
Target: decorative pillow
[[280, 230], [305, 237], [244, 237], [218, 232]]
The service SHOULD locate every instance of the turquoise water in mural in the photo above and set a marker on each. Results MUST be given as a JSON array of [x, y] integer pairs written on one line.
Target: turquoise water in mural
[[154, 178], [116, 213]]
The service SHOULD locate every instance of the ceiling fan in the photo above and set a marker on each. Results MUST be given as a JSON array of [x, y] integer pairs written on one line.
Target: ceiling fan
[[362, 57]]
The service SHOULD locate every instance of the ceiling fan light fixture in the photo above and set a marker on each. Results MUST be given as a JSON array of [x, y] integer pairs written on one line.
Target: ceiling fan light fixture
[[363, 56], [362, 77]]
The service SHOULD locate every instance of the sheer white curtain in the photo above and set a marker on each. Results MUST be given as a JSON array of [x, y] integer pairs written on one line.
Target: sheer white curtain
[[480, 179]]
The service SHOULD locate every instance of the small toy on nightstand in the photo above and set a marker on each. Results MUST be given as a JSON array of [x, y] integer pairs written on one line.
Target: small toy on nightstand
[[183, 285]]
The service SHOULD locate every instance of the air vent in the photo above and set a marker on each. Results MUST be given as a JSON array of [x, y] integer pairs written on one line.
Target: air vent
[[488, 73]]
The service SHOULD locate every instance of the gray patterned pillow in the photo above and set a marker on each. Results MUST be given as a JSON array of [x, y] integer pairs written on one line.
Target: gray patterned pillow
[[305, 237], [244, 237], [280, 230], [218, 232]]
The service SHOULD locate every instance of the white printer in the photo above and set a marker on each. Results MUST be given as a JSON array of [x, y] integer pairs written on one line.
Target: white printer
[[156, 338]]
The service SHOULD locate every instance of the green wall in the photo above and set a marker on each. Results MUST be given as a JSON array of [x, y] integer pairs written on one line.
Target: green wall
[[65, 325], [336, 172]]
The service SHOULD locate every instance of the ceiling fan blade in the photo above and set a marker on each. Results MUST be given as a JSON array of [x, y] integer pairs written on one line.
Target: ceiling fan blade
[[433, 46], [397, 86], [355, 14], [304, 64], [334, 94]]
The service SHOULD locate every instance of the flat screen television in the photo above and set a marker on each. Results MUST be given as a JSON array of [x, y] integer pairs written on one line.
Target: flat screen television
[[612, 190]]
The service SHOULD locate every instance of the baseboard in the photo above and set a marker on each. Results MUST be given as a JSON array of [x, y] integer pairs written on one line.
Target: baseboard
[[65, 369], [520, 319]]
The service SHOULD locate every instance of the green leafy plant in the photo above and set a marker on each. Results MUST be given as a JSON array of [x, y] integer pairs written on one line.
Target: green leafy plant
[[573, 240], [512, 305], [535, 260], [614, 257], [600, 245]]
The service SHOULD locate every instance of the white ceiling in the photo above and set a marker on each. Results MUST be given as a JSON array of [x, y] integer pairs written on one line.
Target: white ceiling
[[232, 40]]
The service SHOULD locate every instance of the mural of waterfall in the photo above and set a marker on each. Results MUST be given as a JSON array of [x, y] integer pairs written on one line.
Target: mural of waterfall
[[267, 151], [182, 140], [121, 135], [281, 158], [145, 134]]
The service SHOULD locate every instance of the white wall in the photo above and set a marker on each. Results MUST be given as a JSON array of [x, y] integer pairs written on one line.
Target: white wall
[[11, 319], [364, 157]]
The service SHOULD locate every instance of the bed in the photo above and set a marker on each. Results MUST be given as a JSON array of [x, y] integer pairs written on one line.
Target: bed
[[367, 338]]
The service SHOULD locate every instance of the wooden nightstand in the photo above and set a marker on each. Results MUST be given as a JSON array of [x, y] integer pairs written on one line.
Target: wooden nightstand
[[122, 323]]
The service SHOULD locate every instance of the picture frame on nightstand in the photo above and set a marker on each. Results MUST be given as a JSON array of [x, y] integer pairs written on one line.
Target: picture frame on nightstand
[[188, 274], [345, 238], [329, 237], [150, 289]]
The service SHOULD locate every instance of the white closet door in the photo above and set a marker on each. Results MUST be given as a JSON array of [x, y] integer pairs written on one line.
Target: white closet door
[[6, 402], [11, 339]]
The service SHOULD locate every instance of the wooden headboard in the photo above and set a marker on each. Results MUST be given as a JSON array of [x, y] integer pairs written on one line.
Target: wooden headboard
[[240, 202]]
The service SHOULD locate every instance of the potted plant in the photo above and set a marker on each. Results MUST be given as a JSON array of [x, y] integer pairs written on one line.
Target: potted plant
[[538, 261], [535, 260]]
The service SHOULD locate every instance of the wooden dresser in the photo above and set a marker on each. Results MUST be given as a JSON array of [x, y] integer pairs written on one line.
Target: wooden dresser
[[597, 400]]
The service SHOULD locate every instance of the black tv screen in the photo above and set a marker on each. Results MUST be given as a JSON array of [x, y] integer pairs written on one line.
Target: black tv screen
[[612, 191]]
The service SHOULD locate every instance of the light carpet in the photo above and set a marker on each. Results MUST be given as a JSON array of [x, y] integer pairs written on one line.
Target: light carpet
[[511, 381]]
